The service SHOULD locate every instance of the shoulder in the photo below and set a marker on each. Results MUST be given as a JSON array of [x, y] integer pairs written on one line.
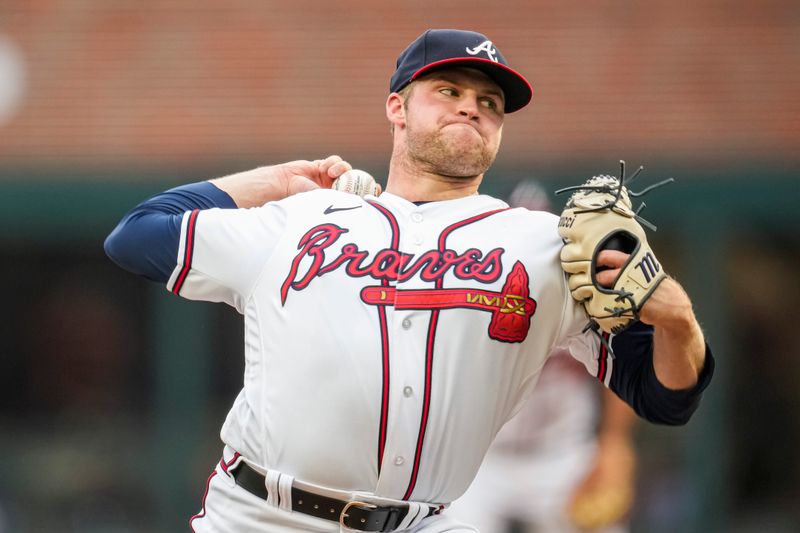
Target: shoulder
[[540, 217], [543, 223]]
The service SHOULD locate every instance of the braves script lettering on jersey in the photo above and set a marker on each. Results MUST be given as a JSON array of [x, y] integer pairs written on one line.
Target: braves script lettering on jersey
[[392, 266]]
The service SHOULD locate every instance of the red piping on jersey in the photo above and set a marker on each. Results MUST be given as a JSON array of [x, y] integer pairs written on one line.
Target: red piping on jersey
[[429, 353], [602, 368], [188, 252], [224, 467], [384, 423]]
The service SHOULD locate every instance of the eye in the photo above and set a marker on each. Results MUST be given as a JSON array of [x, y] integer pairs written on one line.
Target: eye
[[489, 103], [449, 91]]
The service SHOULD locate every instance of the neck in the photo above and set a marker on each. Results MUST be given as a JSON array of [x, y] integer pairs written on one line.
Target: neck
[[419, 185]]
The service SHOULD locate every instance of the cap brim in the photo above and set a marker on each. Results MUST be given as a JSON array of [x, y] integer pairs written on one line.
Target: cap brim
[[517, 91]]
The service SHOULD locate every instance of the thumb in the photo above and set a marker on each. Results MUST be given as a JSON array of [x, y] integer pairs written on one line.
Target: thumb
[[298, 184]]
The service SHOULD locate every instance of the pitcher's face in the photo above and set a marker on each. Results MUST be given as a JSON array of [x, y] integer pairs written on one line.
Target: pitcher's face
[[454, 122]]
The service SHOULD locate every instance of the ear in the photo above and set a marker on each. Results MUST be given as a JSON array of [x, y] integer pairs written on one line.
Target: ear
[[395, 110]]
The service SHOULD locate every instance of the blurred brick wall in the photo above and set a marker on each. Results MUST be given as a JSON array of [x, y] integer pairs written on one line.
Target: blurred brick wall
[[112, 83]]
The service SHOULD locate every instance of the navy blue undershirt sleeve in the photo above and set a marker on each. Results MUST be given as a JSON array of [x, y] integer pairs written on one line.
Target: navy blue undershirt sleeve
[[634, 379], [145, 241]]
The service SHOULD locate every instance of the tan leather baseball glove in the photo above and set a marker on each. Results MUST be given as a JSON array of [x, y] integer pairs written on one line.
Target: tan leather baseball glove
[[599, 215]]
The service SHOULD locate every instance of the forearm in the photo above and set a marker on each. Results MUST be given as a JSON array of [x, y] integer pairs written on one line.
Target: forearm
[[678, 343], [635, 380], [254, 188], [679, 356]]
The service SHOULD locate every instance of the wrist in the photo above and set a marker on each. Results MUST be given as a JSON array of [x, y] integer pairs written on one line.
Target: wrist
[[669, 308]]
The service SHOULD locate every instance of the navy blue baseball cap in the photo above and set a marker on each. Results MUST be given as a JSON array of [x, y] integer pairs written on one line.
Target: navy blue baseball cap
[[437, 49]]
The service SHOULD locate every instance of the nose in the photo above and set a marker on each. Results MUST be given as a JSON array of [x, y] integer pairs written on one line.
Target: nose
[[468, 107]]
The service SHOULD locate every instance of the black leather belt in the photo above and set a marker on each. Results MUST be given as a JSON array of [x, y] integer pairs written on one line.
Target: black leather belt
[[360, 516]]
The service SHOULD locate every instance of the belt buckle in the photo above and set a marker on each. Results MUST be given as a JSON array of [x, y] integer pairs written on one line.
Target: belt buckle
[[347, 507]]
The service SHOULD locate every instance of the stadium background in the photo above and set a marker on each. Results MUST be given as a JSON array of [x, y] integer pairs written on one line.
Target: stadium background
[[112, 391]]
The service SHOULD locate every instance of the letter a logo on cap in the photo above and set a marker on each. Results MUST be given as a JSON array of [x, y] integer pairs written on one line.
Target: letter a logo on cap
[[485, 46]]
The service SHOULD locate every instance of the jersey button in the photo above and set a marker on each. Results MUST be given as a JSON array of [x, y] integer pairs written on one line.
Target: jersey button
[[407, 391], [399, 460], [417, 239], [406, 323], [416, 217]]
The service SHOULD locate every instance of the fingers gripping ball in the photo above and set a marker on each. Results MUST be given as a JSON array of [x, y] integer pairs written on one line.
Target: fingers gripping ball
[[357, 182], [599, 216]]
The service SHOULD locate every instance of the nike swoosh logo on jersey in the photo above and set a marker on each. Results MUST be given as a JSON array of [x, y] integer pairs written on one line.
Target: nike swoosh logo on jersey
[[330, 209]]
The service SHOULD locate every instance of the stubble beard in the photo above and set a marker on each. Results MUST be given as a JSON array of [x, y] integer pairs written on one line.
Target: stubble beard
[[439, 153]]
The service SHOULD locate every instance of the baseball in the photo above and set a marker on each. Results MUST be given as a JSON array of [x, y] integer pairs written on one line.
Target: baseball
[[357, 182]]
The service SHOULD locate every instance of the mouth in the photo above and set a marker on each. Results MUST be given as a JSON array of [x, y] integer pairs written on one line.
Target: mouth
[[462, 125], [459, 123]]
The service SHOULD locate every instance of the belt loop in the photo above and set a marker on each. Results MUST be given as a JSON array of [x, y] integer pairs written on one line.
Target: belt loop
[[271, 483], [416, 513], [285, 491]]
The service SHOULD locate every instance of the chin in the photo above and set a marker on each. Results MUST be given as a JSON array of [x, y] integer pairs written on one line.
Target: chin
[[456, 152], [473, 159], [467, 165]]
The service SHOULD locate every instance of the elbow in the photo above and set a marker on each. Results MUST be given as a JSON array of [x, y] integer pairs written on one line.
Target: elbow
[[111, 246], [124, 249], [114, 247], [673, 420], [676, 415], [143, 249]]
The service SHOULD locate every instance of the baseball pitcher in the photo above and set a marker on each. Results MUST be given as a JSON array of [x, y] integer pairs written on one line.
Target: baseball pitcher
[[388, 337]]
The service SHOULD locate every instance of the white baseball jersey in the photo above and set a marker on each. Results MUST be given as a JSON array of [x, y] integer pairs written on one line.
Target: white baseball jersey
[[386, 343]]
